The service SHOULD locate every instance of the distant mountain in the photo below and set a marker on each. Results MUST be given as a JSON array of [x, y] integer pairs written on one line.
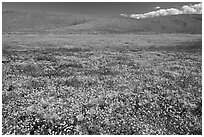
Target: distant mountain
[[15, 21]]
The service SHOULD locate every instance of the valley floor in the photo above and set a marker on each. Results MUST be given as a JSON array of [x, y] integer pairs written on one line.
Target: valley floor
[[102, 84]]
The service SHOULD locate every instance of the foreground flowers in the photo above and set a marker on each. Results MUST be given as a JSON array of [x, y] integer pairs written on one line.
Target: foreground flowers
[[79, 91]]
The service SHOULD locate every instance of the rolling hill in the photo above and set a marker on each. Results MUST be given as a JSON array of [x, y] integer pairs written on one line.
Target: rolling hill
[[34, 21], [162, 24], [16, 21]]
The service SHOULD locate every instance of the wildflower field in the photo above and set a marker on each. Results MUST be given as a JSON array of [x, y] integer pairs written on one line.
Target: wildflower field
[[97, 84]]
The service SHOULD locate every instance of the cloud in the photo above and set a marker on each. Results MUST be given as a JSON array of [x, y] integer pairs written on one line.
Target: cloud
[[192, 9], [186, 9], [157, 7], [124, 15]]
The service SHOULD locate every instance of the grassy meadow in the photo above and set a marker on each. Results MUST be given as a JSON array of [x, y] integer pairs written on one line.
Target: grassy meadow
[[94, 84]]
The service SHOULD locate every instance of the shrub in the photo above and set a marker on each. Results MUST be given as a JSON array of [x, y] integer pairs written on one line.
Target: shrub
[[45, 58], [73, 83]]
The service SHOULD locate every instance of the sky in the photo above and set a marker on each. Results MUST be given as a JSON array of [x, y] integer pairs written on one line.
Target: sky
[[97, 9]]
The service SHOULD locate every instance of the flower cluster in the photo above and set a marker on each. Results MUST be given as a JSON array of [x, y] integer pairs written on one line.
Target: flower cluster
[[59, 91]]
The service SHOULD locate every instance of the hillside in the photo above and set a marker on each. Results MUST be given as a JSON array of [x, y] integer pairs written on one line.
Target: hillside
[[13, 21], [164, 24], [70, 23]]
